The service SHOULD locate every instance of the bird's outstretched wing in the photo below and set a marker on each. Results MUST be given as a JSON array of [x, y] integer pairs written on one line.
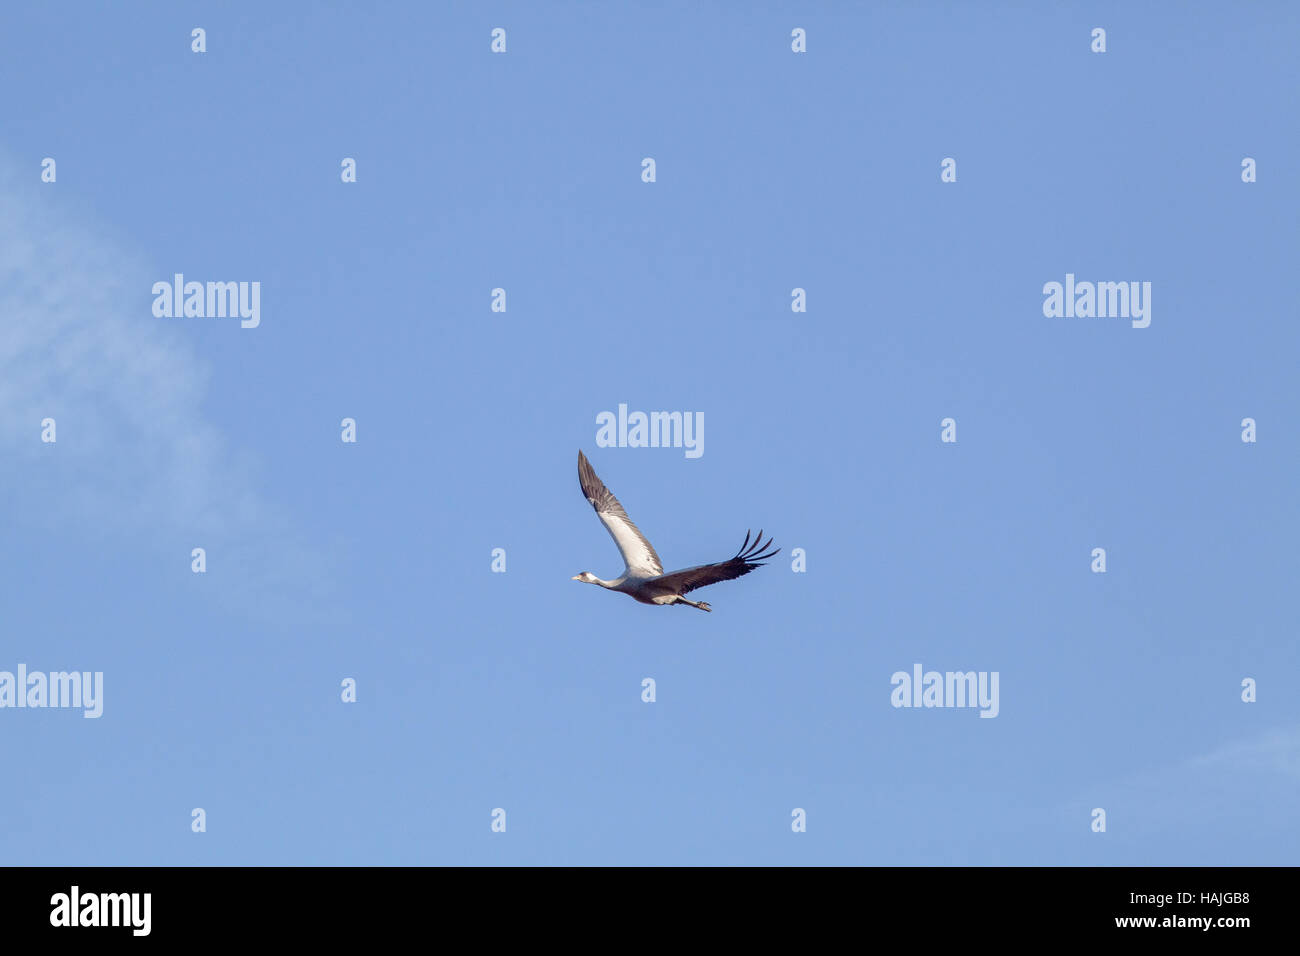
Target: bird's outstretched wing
[[749, 557], [638, 554]]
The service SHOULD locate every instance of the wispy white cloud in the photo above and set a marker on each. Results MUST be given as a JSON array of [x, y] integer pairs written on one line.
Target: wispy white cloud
[[1276, 751], [1262, 769], [135, 453]]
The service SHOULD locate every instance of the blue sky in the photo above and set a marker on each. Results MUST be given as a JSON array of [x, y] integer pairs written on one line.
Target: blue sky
[[774, 171]]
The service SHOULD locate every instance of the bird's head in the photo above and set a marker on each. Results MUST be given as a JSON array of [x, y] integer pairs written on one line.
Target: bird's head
[[586, 577]]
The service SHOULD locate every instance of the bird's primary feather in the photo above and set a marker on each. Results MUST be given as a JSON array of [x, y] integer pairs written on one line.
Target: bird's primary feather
[[746, 559]]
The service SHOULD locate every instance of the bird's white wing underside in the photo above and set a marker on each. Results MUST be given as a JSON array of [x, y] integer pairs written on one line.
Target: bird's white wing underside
[[637, 554]]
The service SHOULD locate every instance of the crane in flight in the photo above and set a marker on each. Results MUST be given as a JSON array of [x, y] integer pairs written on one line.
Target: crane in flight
[[643, 575]]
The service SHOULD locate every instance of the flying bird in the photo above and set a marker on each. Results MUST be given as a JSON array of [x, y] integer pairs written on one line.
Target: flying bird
[[643, 575]]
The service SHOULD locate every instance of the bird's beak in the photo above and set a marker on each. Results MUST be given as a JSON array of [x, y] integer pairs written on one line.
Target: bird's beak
[[575, 578]]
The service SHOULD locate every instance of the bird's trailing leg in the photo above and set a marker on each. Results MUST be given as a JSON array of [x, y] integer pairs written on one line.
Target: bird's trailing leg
[[700, 604]]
